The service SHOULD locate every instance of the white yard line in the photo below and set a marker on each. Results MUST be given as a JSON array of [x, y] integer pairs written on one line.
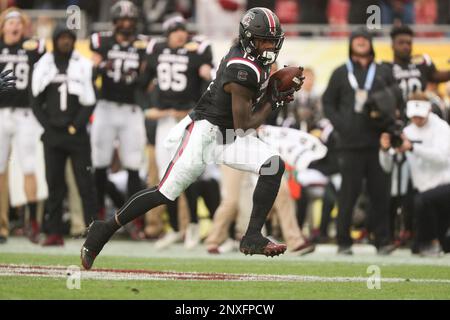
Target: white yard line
[[110, 274], [364, 254]]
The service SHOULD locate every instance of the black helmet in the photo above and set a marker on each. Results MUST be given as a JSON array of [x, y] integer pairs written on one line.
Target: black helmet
[[124, 9], [260, 23]]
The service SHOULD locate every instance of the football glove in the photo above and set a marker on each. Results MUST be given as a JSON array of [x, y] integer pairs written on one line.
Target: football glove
[[7, 82]]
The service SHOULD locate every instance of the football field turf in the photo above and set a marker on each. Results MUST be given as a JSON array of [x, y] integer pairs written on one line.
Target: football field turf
[[136, 270]]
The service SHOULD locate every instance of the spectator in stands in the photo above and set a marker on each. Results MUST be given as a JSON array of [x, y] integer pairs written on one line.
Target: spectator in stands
[[313, 12], [443, 11], [345, 103], [397, 12], [426, 143]]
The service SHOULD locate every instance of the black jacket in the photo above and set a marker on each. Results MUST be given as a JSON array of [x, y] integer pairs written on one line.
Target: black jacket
[[355, 130]]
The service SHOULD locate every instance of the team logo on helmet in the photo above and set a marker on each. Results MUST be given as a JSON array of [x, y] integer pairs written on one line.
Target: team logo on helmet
[[247, 19]]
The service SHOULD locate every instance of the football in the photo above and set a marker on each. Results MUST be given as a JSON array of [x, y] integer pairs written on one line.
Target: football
[[289, 77]]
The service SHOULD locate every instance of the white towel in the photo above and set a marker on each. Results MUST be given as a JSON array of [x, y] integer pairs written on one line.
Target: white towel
[[79, 75]]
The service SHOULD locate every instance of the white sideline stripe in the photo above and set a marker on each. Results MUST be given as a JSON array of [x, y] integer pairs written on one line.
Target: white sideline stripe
[[61, 272]]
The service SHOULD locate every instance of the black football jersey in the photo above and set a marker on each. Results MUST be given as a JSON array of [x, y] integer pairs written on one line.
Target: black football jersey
[[238, 67], [414, 75], [120, 66], [60, 106], [20, 58], [177, 71]]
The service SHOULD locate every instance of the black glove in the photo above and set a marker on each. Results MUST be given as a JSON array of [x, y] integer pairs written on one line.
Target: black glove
[[7, 82], [280, 98]]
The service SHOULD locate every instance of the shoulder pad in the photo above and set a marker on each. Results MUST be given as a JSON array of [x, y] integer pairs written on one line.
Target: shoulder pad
[[201, 42], [199, 38], [418, 59], [140, 44], [153, 43], [98, 38], [245, 62], [191, 46], [30, 44]]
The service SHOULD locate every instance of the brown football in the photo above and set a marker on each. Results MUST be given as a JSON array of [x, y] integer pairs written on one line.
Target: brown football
[[289, 77]]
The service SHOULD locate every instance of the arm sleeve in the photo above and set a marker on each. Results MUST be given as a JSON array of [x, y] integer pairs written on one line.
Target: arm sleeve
[[147, 74], [430, 68], [433, 155], [206, 56], [95, 42], [242, 74], [439, 153], [330, 102]]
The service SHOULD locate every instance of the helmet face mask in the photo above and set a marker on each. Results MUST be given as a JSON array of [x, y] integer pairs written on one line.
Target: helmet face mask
[[261, 24], [125, 26]]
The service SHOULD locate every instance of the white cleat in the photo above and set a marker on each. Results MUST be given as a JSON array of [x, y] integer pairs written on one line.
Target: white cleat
[[169, 238], [192, 238], [229, 245]]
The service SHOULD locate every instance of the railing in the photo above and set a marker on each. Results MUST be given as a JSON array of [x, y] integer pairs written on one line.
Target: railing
[[45, 20]]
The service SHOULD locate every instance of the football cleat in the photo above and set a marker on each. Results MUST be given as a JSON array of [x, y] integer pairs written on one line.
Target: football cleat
[[261, 246], [97, 236]]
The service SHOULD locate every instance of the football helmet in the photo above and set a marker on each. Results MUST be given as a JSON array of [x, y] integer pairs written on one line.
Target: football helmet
[[124, 10], [261, 23]]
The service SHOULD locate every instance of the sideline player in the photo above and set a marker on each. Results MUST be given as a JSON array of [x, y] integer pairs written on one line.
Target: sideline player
[[17, 122], [412, 72], [236, 101], [118, 56]]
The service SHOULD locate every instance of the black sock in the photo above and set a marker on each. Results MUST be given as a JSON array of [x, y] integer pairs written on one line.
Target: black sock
[[264, 195], [136, 206], [192, 195], [32, 210], [100, 184], [172, 211], [134, 182]]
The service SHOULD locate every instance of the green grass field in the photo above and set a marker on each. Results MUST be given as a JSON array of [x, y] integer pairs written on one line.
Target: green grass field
[[336, 276]]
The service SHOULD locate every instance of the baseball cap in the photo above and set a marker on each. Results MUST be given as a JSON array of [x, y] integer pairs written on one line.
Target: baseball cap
[[418, 108]]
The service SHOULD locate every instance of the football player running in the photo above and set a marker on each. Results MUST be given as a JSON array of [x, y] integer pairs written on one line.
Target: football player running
[[217, 131]]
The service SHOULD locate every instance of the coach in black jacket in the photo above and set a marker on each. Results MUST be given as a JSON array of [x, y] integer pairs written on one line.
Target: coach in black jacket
[[64, 99], [345, 103]]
